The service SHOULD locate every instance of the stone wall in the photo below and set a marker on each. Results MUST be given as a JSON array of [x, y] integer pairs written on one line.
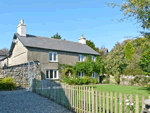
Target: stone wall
[[21, 77]]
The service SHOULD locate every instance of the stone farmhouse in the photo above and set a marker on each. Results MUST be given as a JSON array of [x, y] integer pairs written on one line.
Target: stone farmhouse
[[48, 52]]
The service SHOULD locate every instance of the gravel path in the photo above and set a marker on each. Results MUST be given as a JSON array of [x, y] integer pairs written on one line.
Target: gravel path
[[20, 101]]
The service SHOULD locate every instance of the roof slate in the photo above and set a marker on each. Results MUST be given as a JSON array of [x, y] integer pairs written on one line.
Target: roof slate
[[3, 53], [55, 44]]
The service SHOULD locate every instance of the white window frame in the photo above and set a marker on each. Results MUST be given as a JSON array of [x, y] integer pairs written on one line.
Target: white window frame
[[81, 74], [49, 74], [53, 57], [93, 58], [80, 58], [93, 74]]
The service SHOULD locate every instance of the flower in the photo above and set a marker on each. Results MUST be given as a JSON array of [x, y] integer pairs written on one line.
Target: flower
[[127, 104], [127, 100], [132, 104]]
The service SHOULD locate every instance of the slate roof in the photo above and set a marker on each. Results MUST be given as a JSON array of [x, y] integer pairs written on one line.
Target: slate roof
[[55, 44], [3, 53]]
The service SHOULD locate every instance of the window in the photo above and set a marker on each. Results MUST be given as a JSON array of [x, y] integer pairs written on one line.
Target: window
[[93, 58], [93, 75], [81, 58], [51, 74], [81, 74], [52, 56]]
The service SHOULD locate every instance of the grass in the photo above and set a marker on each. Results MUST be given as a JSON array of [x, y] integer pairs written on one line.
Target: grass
[[107, 88], [124, 89]]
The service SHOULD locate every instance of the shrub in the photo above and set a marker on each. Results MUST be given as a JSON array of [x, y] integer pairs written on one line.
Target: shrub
[[79, 80], [94, 80], [141, 81], [7, 84]]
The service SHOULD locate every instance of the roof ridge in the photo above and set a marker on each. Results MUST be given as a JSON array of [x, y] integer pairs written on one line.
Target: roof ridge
[[55, 39]]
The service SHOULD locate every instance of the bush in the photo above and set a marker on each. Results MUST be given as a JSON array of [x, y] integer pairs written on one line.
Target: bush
[[79, 80], [7, 84], [140, 81]]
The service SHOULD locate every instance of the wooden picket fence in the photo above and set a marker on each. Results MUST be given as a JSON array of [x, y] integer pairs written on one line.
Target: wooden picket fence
[[82, 99]]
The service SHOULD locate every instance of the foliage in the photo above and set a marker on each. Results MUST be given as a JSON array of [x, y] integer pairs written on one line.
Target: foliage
[[145, 61], [133, 67], [129, 50], [138, 9], [117, 78], [56, 36], [92, 45], [106, 80], [115, 61], [140, 81], [7, 84], [79, 80], [88, 66]]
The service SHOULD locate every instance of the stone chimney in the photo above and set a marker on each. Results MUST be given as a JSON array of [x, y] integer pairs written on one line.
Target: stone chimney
[[82, 40], [21, 28]]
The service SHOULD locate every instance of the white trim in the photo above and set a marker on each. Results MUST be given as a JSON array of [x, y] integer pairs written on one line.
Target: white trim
[[53, 74], [93, 73], [80, 57], [93, 57], [53, 57]]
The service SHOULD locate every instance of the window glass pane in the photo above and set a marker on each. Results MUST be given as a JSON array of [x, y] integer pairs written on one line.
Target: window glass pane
[[51, 73], [79, 74], [50, 56], [47, 72], [82, 74], [55, 56], [55, 74], [79, 57]]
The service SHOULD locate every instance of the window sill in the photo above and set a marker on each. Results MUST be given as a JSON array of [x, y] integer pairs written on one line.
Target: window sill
[[53, 61]]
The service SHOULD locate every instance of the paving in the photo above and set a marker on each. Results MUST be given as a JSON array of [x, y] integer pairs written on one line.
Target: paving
[[21, 101]]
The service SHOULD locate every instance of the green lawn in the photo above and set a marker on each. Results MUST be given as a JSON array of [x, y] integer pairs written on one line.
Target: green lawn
[[124, 89]]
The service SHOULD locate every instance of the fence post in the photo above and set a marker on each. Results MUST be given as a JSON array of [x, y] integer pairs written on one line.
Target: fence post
[[111, 102], [89, 100], [86, 99], [103, 101], [115, 102], [120, 103], [107, 102], [125, 106], [137, 104], [73, 99], [77, 98], [41, 87], [143, 99], [51, 90], [93, 95], [99, 101], [131, 101], [96, 102]]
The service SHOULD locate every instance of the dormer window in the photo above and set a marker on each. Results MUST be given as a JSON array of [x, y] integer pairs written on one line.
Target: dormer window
[[53, 57], [81, 58], [93, 58]]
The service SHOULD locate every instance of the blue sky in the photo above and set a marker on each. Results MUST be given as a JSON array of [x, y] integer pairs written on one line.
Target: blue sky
[[70, 19]]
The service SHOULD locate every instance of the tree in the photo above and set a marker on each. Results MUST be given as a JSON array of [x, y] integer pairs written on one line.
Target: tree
[[56, 36], [145, 61], [5, 50], [138, 9], [129, 50], [133, 67], [92, 45], [115, 61]]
